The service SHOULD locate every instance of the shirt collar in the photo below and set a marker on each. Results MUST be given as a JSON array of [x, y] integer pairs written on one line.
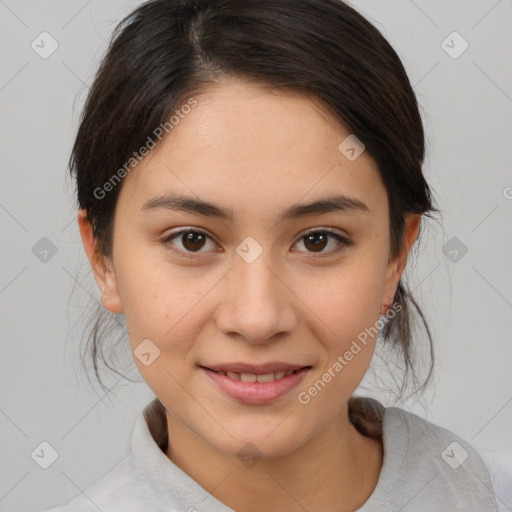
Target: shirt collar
[[167, 487]]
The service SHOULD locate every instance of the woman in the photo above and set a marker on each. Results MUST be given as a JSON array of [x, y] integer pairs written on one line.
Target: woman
[[249, 179]]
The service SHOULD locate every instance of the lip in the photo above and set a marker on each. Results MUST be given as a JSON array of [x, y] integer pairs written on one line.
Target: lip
[[256, 392], [256, 369]]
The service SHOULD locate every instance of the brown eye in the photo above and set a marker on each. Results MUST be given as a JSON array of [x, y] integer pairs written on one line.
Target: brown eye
[[192, 241], [317, 241]]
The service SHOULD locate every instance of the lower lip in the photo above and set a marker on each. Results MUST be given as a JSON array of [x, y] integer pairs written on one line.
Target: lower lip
[[256, 392]]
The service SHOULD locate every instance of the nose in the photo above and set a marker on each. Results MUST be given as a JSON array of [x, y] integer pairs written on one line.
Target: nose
[[256, 302]]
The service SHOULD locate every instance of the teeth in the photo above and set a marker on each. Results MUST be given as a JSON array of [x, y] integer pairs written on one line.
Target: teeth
[[248, 377], [251, 377], [266, 377]]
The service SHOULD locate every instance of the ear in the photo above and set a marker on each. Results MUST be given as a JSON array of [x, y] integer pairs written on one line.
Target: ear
[[101, 266], [396, 267]]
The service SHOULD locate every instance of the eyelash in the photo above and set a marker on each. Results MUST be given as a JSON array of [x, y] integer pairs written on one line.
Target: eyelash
[[345, 242]]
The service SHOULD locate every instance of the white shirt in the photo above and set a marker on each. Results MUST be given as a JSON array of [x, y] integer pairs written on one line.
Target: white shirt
[[425, 468]]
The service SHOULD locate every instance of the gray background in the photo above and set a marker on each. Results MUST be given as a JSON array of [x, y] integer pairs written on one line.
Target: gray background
[[45, 395]]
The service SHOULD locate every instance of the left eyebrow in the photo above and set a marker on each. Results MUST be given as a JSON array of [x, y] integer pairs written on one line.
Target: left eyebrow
[[339, 203]]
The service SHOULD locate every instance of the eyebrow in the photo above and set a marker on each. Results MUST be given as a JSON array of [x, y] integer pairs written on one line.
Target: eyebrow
[[175, 202]]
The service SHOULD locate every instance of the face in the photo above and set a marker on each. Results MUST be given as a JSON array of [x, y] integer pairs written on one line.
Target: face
[[201, 290]]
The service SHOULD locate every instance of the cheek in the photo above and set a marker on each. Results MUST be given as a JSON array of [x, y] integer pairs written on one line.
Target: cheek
[[347, 302], [347, 299], [161, 300], [163, 305]]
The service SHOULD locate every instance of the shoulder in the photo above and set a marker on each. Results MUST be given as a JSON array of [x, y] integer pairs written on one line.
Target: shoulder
[[500, 469], [116, 491], [436, 465]]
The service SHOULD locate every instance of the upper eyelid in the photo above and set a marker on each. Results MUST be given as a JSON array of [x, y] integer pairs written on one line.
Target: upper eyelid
[[303, 233], [308, 231], [189, 230]]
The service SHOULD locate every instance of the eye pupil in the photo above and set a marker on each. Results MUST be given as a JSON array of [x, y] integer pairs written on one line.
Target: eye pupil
[[193, 240], [318, 241]]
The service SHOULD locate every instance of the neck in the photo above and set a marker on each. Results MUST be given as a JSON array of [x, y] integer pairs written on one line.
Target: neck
[[337, 470]]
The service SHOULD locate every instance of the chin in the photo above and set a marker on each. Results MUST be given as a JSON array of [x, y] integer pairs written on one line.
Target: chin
[[253, 440]]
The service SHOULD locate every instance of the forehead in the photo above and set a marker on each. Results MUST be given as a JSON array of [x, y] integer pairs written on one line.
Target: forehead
[[249, 146]]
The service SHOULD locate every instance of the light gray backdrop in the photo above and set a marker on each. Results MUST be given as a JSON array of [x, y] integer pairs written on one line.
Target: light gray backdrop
[[462, 277]]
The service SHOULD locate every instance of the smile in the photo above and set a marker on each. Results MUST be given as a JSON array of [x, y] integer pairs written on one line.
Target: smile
[[251, 388], [252, 377]]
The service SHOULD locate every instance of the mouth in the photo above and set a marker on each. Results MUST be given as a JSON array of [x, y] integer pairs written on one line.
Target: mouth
[[257, 377], [252, 384]]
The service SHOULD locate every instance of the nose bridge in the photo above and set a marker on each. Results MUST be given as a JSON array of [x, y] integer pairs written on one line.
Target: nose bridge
[[257, 283], [257, 304]]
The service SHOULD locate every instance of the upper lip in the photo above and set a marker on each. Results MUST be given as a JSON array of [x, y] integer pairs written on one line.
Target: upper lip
[[256, 369]]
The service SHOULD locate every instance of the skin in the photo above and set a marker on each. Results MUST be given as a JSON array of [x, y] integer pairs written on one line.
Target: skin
[[257, 153]]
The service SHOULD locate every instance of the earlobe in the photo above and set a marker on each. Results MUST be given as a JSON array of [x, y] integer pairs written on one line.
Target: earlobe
[[103, 273], [113, 304], [386, 305]]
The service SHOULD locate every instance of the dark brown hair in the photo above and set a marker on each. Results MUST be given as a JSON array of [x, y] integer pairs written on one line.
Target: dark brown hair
[[166, 51]]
